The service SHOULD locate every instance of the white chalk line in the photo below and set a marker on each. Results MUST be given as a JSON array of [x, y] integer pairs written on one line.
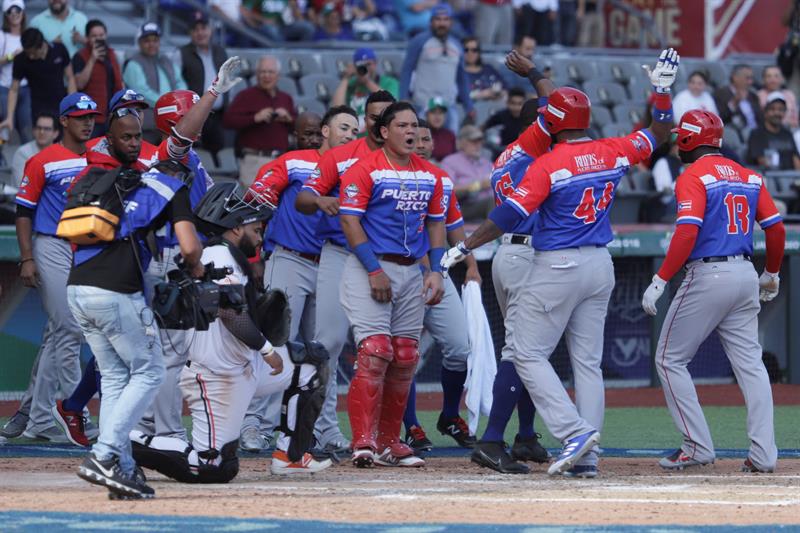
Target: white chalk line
[[649, 501]]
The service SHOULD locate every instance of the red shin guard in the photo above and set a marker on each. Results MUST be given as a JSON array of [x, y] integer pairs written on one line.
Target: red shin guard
[[366, 389], [395, 390]]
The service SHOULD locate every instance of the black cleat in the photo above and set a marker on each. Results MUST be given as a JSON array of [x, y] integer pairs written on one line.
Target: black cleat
[[493, 455], [418, 440], [109, 474], [457, 428], [529, 449]]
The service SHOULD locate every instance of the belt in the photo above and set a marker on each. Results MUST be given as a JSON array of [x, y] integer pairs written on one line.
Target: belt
[[398, 259], [725, 258], [314, 258], [515, 238]]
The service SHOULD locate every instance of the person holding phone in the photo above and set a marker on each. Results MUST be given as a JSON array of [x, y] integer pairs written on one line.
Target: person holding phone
[[360, 79], [97, 71]]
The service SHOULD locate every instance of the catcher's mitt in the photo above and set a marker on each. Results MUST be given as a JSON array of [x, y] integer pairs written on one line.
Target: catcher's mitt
[[274, 316]]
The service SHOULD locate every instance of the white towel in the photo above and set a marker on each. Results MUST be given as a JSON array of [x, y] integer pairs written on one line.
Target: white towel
[[482, 366]]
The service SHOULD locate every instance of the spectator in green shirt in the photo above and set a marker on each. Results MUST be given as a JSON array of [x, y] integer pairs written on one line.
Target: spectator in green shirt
[[278, 20], [61, 23], [360, 79]]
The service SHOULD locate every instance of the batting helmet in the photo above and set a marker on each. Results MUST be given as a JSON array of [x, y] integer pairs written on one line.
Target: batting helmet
[[698, 128], [223, 207], [171, 107], [567, 109]]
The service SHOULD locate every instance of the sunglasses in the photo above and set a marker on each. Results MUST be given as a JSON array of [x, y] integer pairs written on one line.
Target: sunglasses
[[124, 112], [130, 98], [472, 49], [85, 105], [13, 10]]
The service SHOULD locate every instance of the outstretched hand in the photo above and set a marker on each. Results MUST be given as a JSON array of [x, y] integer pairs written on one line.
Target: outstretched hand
[[663, 75], [518, 63], [228, 76]]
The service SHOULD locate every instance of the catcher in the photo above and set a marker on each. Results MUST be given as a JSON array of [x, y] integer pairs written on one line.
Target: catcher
[[237, 357]]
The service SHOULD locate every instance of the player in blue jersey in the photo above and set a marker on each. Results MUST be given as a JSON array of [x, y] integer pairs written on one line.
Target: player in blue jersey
[[719, 202], [569, 282]]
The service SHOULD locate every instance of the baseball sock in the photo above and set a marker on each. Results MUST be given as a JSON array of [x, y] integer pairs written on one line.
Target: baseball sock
[[452, 388], [505, 394], [87, 387], [410, 416], [525, 411]]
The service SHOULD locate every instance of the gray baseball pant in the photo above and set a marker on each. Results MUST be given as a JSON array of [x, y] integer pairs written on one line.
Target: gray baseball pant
[[447, 324], [510, 268], [719, 296], [27, 398]]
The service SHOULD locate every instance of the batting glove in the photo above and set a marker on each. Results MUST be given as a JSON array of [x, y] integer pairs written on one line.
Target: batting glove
[[768, 284], [663, 76], [652, 294], [227, 77], [454, 255]]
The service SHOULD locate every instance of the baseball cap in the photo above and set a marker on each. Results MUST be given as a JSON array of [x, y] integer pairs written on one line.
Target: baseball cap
[[8, 4], [775, 96], [147, 29], [442, 10], [437, 102], [77, 105], [127, 98], [470, 133], [198, 17], [364, 54]]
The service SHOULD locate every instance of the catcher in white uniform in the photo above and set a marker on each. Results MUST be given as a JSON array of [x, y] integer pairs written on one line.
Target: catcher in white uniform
[[233, 359]]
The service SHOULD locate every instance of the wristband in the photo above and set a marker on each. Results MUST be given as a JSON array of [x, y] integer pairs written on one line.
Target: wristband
[[23, 261], [267, 349], [535, 76], [10, 57], [662, 107], [542, 102], [367, 257], [436, 255], [213, 90]]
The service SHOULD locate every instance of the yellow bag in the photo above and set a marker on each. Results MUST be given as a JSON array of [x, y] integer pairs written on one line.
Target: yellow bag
[[87, 225]]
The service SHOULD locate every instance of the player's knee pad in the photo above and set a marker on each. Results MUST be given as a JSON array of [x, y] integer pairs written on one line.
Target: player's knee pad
[[167, 455], [374, 355], [406, 355], [218, 466], [301, 405]]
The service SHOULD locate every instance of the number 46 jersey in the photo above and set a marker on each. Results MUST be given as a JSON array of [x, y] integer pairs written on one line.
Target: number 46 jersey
[[725, 199]]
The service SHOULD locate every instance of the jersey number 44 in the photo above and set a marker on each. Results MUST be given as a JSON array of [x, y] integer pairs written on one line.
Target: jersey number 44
[[589, 207]]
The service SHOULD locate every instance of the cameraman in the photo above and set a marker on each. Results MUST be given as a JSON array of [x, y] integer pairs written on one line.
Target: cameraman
[[359, 80], [105, 290]]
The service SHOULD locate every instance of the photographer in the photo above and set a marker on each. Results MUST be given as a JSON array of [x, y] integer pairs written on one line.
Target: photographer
[[105, 292], [359, 80], [96, 70]]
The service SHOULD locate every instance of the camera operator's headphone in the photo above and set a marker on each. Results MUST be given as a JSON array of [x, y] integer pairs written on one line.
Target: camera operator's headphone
[[223, 207]]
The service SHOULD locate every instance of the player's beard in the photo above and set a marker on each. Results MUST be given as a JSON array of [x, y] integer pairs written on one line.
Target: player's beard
[[248, 247]]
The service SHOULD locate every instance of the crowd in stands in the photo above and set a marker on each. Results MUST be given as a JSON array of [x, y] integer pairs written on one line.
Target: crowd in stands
[[473, 106]]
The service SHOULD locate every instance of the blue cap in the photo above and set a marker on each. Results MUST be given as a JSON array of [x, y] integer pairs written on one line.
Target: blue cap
[[443, 10], [127, 98], [77, 105], [364, 54]]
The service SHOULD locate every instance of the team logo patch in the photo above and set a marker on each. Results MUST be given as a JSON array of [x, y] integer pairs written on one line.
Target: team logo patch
[[686, 205], [351, 191], [637, 143], [444, 203], [24, 183]]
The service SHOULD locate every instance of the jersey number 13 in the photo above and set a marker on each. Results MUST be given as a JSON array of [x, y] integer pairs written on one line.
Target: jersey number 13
[[587, 210]]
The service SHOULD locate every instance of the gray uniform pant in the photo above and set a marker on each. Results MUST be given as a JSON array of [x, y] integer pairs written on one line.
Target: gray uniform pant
[[567, 291], [722, 297], [447, 324], [402, 317], [297, 277], [494, 23], [27, 398], [59, 368], [164, 417], [332, 329], [510, 268]]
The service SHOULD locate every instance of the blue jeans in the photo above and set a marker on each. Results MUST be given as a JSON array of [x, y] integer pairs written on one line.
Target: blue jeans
[[123, 335], [23, 121]]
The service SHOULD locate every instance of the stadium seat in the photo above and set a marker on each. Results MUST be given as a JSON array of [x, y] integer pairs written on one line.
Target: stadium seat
[[299, 64], [616, 129], [309, 103], [319, 86], [639, 90], [642, 180], [334, 63], [391, 63], [605, 93], [579, 70], [628, 113], [732, 140], [601, 116], [227, 162], [719, 73], [286, 85], [624, 71], [484, 109]]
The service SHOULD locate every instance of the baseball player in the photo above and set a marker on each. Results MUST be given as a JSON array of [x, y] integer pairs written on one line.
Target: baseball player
[[127, 98], [570, 280], [390, 201], [46, 259], [291, 236], [718, 203], [446, 322], [321, 192], [233, 360]]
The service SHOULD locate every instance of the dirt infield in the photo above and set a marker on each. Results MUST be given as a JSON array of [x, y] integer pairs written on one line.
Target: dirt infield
[[447, 490]]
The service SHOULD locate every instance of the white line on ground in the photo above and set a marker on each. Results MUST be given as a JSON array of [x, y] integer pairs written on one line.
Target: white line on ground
[[649, 501]]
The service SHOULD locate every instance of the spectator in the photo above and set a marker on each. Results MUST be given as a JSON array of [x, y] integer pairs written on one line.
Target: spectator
[[568, 21], [694, 96], [738, 104], [200, 60], [772, 146], [359, 80], [62, 24], [414, 14], [591, 23], [278, 20], [435, 60], [444, 140], [331, 27], [509, 119], [772, 80], [470, 171], [14, 22], [526, 47], [366, 23], [45, 66], [493, 19], [660, 208], [484, 81], [97, 72], [45, 131], [536, 18], [263, 117]]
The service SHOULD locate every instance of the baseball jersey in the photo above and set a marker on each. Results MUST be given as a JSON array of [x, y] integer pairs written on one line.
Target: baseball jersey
[[724, 199], [286, 176], [325, 181], [47, 178], [573, 186], [393, 203], [510, 167]]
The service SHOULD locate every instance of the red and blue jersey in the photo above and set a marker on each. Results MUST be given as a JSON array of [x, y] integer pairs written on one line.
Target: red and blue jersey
[[511, 165], [573, 186], [453, 218], [724, 199], [325, 179], [394, 203], [147, 156], [286, 176], [201, 182], [47, 177]]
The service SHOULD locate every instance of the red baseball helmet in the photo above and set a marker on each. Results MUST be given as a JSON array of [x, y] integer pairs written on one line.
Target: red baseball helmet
[[698, 128], [567, 109], [171, 107]]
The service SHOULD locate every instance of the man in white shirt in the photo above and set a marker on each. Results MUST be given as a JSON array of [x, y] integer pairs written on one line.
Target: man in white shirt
[[44, 134]]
